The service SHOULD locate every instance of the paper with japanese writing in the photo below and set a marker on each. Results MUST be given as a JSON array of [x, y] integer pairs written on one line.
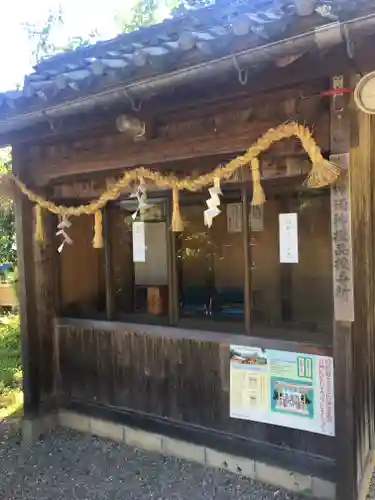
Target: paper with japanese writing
[[288, 238], [139, 242], [282, 388], [342, 253]]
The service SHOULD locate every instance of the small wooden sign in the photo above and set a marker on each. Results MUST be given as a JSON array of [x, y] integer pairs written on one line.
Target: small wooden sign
[[256, 218], [84, 190], [234, 217], [342, 246]]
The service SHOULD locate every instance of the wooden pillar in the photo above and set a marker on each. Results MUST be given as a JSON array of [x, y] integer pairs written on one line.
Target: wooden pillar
[[46, 297], [108, 274], [353, 237], [246, 234], [286, 292], [26, 283], [343, 300], [362, 165], [353, 204], [39, 299], [173, 293]]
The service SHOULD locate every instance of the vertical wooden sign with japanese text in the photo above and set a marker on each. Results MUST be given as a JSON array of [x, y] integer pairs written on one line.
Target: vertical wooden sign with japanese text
[[342, 245]]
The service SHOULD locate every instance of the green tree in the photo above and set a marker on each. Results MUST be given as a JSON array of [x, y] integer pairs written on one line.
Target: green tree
[[8, 252], [148, 12], [42, 36], [143, 13]]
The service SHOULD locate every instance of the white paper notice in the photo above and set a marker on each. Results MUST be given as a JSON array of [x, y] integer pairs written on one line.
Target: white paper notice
[[234, 218], [290, 389], [288, 234], [139, 242]]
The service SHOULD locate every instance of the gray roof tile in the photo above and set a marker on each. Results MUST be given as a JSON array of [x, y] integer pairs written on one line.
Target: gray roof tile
[[188, 38]]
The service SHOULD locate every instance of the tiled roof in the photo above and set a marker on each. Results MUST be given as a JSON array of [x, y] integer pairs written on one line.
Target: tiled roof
[[186, 40]]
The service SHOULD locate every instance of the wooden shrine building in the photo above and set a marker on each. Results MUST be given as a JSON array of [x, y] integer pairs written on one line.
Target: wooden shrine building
[[158, 293]]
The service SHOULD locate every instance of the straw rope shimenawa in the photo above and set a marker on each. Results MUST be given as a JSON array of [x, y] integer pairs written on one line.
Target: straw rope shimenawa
[[323, 173]]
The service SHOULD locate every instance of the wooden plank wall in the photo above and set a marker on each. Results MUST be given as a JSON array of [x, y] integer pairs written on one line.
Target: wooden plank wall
[[181, 379], [81, 271]]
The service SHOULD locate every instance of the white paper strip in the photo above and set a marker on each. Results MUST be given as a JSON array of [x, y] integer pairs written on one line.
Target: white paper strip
[[288, 238], [141, 196], [213, 203], [64, 224], [139, 242]]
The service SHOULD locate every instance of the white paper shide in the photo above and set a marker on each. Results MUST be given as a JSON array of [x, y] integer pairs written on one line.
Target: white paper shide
[[61, 231], [213, 203]]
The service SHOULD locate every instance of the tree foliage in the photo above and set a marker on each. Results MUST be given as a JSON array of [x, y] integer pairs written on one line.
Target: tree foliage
[[143, 13], [8, 253], [42, 36], [148, 12]]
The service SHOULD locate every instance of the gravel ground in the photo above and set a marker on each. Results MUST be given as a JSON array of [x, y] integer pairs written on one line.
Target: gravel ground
[[66, 465]]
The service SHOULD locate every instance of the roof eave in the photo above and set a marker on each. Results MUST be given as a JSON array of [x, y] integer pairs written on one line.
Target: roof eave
[[321, 38]]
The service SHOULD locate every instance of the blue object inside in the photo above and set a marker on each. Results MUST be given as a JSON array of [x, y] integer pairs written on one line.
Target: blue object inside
[[222, 302]]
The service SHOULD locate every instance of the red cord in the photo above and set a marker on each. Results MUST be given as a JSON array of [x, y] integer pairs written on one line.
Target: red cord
[[336, 92]]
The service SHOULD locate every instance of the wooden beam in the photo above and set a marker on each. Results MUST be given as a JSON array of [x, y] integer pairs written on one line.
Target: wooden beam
[[117, 155], [163, 108], [222, 100], [227, 94]]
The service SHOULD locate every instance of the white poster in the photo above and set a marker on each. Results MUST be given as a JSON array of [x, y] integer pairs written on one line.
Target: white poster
[[234, 218], [139, 242], [257, 218], [288, 389], [288, 235]]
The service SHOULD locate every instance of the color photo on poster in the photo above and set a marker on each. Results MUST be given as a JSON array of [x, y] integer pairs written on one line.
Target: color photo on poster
[[282, 388]]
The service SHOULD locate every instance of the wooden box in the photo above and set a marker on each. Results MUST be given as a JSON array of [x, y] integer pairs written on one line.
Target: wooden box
[[157, 300]]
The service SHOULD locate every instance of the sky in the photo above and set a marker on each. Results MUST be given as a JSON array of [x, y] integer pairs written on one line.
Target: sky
[[80, 18]]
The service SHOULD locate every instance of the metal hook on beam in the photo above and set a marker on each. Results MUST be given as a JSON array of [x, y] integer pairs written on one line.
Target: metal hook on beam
[[136, 105], [349, 44], [52, 126], [243, 73]]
